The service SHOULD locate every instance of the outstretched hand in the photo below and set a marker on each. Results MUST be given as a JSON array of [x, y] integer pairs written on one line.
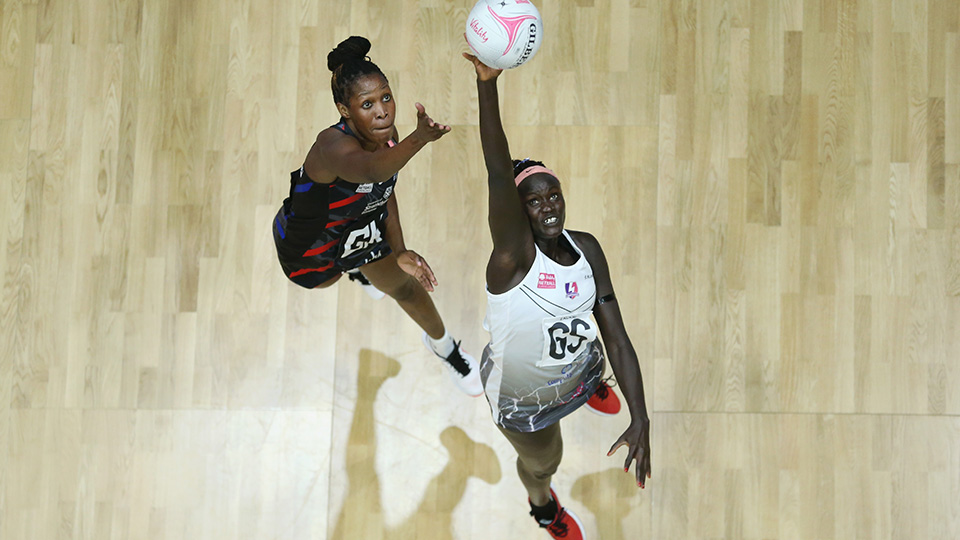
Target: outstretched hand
[[637, 440], [484, 72], [417, 267], [427, 128]]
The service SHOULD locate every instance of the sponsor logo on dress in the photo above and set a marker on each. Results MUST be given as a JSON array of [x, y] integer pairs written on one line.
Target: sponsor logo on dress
[[572, 291], [377, 203], [364, 188], [374, 255], [547, 281], [567, 373], [373, 205]]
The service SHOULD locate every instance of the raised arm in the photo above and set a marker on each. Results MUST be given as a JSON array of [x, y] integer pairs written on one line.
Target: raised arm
[[335, 155], [512, 238]]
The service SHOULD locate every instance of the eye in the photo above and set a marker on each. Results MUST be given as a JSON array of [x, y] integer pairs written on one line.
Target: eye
[[533, 202], [554, 196], [366, 105], [387, 97]]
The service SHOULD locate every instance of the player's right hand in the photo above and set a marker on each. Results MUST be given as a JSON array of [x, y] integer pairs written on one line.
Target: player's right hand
[[484, 72], [427, 129]]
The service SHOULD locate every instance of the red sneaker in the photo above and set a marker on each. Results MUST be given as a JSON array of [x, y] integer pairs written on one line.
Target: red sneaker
[[565, 525], [604, 402]]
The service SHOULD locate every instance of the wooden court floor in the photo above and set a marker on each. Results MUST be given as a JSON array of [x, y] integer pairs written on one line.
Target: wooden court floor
[[776, 184]]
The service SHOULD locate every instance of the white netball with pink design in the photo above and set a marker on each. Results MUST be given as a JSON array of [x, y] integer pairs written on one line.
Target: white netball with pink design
[[504, 33]]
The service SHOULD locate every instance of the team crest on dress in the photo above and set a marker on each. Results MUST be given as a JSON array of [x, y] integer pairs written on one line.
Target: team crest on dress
[[572, 290]]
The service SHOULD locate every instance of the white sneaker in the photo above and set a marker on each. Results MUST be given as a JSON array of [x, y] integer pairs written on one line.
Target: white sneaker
[[463, 368], [372, 292]]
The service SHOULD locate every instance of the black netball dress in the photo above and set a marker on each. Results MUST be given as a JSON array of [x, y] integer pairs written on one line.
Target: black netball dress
[[323, 230]]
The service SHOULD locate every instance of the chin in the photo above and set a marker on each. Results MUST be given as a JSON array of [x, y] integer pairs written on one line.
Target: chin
[[547, 234]]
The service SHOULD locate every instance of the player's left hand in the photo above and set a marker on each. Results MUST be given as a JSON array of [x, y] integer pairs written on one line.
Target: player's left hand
[[637, 440], [417, 267]]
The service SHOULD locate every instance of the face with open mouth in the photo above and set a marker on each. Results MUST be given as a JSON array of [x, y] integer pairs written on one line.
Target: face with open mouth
[[371, 110], [543, 201]]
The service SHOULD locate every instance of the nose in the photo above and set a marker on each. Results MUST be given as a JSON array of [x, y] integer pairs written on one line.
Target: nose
[[381, 110]]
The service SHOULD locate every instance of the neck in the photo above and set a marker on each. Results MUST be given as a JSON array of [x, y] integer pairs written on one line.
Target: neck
[[552, 247], [366, 144]]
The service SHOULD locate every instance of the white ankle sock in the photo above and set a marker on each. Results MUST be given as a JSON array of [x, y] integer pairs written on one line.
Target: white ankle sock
[[442, 346]]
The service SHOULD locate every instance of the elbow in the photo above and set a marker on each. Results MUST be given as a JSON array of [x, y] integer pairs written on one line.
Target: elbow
[[621, 352]]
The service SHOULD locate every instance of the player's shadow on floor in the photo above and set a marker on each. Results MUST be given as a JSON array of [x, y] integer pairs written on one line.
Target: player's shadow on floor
[[606, 494], [362, 514]]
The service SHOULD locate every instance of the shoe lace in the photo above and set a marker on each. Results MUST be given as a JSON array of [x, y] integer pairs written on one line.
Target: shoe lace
[[603, 389], [559, 527], [457, 361]]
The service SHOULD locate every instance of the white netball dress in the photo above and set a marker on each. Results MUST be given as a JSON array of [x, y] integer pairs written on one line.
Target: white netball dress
[[544, 359]]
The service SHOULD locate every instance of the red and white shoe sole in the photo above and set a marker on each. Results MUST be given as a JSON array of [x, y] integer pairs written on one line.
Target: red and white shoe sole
[[601, 413]]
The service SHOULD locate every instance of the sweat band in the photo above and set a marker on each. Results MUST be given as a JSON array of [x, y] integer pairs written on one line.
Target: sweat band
[[607, 298], [533, 170]]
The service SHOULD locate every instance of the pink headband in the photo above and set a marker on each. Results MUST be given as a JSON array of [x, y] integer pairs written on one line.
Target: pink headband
[[531, 171]]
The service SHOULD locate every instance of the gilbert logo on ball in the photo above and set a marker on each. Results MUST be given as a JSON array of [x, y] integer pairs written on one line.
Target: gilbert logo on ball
[[504, 33]]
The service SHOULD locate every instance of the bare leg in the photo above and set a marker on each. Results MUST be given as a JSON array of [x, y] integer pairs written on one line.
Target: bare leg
[[538, 456], [387, 276]]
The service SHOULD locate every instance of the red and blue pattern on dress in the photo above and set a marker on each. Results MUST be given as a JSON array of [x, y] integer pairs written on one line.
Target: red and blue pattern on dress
[[330, 228]]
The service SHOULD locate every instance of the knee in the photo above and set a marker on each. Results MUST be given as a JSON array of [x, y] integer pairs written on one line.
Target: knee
[[405, 290], [541, 468]]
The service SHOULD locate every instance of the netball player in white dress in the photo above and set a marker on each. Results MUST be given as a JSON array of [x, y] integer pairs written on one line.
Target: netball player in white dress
[[549, 298]]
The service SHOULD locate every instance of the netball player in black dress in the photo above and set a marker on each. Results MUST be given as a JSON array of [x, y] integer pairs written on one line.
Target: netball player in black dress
[[341, 215]]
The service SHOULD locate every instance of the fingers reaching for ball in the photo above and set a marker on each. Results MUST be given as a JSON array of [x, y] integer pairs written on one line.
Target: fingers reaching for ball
[[427, 128], [484, 72]]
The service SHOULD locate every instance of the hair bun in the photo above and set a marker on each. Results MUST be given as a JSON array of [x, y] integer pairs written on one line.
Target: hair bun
[[352, 48]]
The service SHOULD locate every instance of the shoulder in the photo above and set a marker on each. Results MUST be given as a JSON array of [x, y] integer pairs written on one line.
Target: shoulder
[[591, 249], [331, 143], [333, 135], [587, 243]]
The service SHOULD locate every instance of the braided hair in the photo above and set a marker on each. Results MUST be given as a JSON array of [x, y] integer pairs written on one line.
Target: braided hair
[[349, 62]]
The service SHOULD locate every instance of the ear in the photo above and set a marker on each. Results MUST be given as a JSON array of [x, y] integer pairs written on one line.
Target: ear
[[344, 111]]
